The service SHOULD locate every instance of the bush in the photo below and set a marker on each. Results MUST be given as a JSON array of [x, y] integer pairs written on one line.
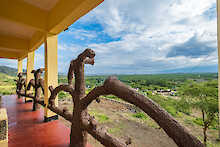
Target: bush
[[171, 110], [7, 90], [62, 95], [168, 104], [102, 118], [140, 115], [198, 121], [183, 106]]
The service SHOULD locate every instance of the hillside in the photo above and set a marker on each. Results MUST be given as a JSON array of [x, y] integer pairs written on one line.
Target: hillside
[[8, 70], [7, 84], [122, 121]]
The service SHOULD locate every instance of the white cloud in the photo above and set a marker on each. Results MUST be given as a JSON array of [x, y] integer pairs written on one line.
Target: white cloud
[[189, 9], [147, 30], [82, 34]]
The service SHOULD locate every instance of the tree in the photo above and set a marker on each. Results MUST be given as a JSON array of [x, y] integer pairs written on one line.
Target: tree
[[204, 97]]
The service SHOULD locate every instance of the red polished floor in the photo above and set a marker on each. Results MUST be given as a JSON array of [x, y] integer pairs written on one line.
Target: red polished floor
[[27, 129]]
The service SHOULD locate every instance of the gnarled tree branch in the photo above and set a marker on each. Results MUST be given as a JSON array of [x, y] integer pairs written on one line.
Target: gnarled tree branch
[[173, 129], [36, 83], [54, 92], [62, 112], [93, 95], [20, 83], [31, 84], [82, 122], [86, 57], [101, 135]]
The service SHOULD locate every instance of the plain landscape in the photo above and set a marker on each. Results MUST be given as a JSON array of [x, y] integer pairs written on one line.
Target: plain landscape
[[191, 98]]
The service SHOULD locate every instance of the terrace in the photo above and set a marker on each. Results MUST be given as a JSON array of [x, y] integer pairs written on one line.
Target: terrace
[[37, 23]]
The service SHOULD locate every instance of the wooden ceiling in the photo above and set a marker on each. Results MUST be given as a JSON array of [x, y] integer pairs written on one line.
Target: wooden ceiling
[[24, 24]]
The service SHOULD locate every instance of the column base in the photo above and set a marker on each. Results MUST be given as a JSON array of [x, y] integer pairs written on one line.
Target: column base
[[47, 119]]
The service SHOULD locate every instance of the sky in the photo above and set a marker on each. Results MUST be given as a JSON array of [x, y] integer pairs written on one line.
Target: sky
[[141, 37]]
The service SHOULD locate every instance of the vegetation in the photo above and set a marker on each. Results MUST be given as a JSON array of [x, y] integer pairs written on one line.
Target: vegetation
[[169, 104], [140, 115], [194, 102], [8, 70], [100, 116], [204, 97], [7, 84], [7, 76]]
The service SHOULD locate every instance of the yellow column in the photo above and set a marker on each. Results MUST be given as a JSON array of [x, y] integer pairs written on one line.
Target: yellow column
[[20, 65], [30, 67], [218, 38], [51, 73]]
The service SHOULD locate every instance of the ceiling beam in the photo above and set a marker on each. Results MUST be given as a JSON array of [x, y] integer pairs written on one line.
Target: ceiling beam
[[66, 12], [18, 11], [24, 55], [13, 43], [9, 55], [43, 22], [36, 40]]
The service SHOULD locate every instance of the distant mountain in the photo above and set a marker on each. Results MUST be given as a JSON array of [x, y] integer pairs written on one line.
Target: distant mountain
[[13, 71], [194, 69], [8, 70]]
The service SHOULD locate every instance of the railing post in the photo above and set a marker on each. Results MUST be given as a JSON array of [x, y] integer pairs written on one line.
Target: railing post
[[51, 74], [30, 67], [20, 65]]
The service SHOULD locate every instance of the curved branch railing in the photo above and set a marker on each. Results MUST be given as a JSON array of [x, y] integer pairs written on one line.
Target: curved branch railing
[[38, 85], [20, 84], [83, 123]]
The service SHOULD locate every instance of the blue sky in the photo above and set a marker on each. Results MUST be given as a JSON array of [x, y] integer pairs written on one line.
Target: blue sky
[[141, 37]]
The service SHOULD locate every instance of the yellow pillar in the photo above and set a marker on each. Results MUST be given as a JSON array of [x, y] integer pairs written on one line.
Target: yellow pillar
[[20, 65], [51, 73], [30, 67], [218, 38]]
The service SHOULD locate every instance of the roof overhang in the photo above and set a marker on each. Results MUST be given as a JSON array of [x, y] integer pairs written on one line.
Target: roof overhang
[[24, 24]]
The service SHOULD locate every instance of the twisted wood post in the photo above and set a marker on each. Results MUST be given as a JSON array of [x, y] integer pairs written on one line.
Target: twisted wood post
[[78, 136], [38, 84], [82, 122], [20, 83]]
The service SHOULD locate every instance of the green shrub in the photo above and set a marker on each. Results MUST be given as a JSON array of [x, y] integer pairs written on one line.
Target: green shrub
[[198, 121], [171, 110], [140, 115], [183, 106], [7, 90], [188, 121], [168, 104], [102, 118], [63, 95]]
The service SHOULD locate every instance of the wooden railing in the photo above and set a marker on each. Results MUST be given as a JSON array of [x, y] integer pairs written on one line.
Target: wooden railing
[[83, 123], [20, 84]]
